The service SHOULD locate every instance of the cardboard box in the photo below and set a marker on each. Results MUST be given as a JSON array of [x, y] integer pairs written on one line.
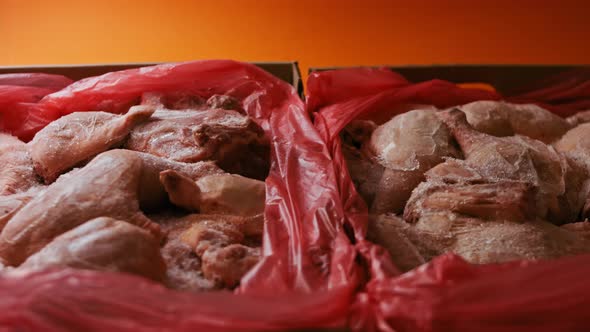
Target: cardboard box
[[287, 71], [505, 78]]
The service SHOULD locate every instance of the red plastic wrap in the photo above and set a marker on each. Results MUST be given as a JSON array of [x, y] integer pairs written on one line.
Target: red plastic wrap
[[75, 300], [446, 294], [449, 294], [564, 94], [318, 271], [19, 93], [308, 274], [40, 80]]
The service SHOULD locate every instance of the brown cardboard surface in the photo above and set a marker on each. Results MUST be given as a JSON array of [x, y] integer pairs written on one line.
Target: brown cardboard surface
[[287, 71], [505, 78]]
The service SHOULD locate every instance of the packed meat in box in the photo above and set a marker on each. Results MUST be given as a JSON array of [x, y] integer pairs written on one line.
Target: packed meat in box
[[490, 195], [450, 176], [84, 191], [138, 183], [191, 176]]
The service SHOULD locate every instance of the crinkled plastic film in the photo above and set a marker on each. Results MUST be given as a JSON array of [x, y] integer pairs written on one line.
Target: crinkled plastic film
[[20, 114]]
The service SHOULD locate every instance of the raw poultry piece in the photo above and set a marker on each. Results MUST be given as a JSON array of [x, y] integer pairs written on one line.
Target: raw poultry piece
[[178, 101], [186, 265], [477, 240], [365, 173], [406, 146], [578, 118], [231, 139], [221, 244], [228, 246], [11, 204], [575, 144], [460, 172], [574, 203], [16, 167], [517, 158], [190, 101], [387, 231], [77, 137], [224, 102], [183, 266], [500, 200], [581, 228], [484, 220], [500, 119], [103, 244], [215, 194], [115, 184]]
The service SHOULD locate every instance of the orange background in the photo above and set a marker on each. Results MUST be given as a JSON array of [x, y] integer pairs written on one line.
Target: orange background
[[316, 33]]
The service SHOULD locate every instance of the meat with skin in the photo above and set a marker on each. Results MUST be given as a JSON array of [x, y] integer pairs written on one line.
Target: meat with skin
[[231, 139], [77, 137], [489, 241], [501, 200], [406, 146], [183, 265], [215, 194], [490, 117], [357, 132], [517, 158], [579, 118], [16, 171], [581, 228], [385, 231], [222, 244], [11, 204], [116, 184], [482, 219], [189, 237], [365, 173], [574, 204], [103, 244], [500, 119], [485, 242], [187, 101], [173, 100], [227, 265], [224, 102], [576, 145]]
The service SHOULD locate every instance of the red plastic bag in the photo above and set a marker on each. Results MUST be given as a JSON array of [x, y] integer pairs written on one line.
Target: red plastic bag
[[564, 94], [447, 294], [76, 300], [308, 274], [39, 80], [19, 93]]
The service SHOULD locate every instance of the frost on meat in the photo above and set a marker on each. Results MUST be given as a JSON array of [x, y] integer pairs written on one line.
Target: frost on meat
[[174, 211], [78, 137], [405, 147], [16, 173], [228, 137], [504, 201]]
